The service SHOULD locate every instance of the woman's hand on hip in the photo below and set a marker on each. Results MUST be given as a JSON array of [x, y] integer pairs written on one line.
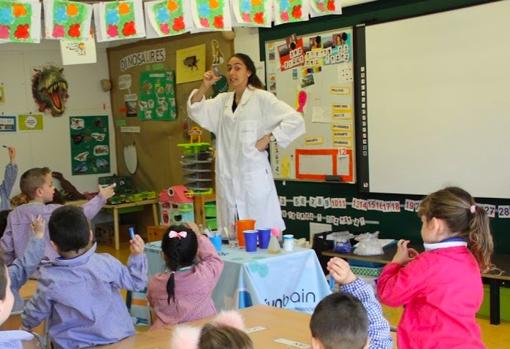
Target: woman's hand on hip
[[263, 143]]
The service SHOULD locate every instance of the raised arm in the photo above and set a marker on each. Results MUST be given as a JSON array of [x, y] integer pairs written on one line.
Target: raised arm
[[133, 277]]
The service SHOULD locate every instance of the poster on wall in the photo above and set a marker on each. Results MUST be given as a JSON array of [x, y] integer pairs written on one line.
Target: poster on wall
[[90, 149], [7, 124], [30, 122], [190, 63], [78, 52], [157, 97]]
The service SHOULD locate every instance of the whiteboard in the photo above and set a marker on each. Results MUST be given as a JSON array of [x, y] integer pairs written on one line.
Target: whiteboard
[[438, 102], [323, 85]]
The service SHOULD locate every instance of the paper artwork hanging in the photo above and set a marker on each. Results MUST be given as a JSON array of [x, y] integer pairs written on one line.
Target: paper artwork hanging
[[167, 18], [68, 20], [255, 13], [290, 11], [325, 7], [209, 15], [78, 52], [119, 20], [20, 21]]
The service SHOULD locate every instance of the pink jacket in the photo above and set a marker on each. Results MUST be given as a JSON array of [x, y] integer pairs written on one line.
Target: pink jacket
[[193, 289], [441, 291]]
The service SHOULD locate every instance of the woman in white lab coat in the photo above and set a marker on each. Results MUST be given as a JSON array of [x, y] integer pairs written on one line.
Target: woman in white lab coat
[[244, 121]]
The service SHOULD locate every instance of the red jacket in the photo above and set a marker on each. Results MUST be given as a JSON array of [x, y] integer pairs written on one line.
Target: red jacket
[[441, 291]]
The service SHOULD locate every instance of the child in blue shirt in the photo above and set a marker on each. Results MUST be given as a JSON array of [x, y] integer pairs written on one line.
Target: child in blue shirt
[[79, 292], [11, 171], [11, 280]]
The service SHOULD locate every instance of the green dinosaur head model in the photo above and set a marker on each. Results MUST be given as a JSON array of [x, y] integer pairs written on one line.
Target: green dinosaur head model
[[49, 89]]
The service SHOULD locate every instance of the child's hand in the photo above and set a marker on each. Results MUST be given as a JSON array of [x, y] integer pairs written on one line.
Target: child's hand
[[12, 154], [108, 191], [193, 226], [38, 227], [341, 271], [404, 254], [136, 245]]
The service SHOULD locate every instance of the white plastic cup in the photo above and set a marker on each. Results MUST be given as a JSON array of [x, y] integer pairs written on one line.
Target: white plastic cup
[[288, 242]]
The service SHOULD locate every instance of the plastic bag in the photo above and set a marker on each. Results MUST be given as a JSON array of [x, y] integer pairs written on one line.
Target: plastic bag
[[368, 245]]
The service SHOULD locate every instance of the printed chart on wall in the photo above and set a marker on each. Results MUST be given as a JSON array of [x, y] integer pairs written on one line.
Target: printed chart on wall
[[314, 73], [90, 151]]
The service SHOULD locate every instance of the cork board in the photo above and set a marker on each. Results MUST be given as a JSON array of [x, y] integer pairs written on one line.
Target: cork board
[[156, 142]]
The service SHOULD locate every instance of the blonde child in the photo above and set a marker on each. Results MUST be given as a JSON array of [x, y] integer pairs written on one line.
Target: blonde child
[[226, 331], [37, 185], [441, 288], [10, 174], [184, 292], [79, 293]]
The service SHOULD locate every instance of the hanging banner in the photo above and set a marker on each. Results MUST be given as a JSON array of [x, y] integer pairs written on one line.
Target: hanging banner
[[290, 11], [167, 18], [20, 21], [210, 15], [325, 7], [119, 20], [68, 20], [254, 13]]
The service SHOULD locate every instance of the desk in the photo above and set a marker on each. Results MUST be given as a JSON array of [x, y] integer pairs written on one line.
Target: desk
[[117, 207], [495, 280], [292, 280], [279, 323]]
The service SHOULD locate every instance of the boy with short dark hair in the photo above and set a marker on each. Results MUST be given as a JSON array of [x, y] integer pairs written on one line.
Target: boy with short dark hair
[[339, 322], [79, 293], [37, 185]]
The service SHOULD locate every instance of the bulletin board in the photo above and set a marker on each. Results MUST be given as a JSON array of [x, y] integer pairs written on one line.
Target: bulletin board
[[314, 74]]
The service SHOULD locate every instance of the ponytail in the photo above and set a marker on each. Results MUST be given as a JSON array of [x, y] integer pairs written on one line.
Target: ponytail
[[179, 252], [479, 238]]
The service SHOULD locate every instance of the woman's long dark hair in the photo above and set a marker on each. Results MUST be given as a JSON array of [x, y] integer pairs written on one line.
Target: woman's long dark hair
[[179, 252], [253, 79]]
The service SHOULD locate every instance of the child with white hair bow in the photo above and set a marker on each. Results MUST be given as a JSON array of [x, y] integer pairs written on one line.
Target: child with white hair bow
[[184, 291]]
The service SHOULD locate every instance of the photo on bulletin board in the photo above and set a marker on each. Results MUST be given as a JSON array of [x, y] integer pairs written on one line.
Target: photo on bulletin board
[[190, 63], [90, 144], [157, 96]]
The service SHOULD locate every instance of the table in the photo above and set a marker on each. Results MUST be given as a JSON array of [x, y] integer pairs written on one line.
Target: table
[[278, 323], [495, 280], [292, 280], [117, 207]]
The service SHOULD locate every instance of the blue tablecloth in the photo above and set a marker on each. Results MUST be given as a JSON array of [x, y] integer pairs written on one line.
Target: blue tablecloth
[[292, 280]]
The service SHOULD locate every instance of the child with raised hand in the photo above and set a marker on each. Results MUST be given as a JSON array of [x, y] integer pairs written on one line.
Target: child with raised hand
[[11, 171], [441, 289], [37, 185], [79, 293], [184, 292], [378, 327]]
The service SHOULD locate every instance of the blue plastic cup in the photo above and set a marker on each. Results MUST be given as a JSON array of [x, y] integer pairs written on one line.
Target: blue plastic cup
[[264, 236], [250, 240], [216, 241]]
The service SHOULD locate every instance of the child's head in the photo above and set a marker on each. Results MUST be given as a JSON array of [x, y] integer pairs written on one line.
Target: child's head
[[6, 296], [37, 184], [339, 322], [453, 212], [225, 331], [179, 248], [3, 221], [69, 229], [218, 336]]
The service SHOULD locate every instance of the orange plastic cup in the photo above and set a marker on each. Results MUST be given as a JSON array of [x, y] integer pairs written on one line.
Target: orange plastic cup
[[242, 225]]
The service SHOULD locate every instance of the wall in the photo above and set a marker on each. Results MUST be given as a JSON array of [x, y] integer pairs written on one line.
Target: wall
[[51, 147]]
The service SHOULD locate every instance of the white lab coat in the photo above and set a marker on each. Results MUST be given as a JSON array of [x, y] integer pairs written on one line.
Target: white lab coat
[[244, 181]]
